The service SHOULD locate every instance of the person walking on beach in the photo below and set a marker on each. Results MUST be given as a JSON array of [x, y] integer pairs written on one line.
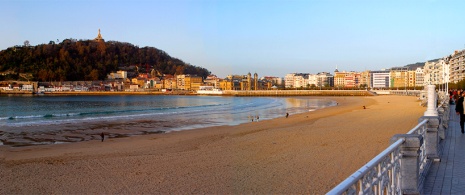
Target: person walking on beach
[[102, 135], [287, 114], [459, 110]]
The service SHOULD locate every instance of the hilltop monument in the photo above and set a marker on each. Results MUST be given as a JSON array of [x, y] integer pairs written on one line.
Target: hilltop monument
[[99, 37]]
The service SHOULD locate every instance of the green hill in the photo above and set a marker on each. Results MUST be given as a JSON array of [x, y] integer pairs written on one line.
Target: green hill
[[73, 60]]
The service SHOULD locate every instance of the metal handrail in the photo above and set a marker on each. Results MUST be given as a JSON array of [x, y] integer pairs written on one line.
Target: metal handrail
[[422, 123], [355, 177], [371, 178]]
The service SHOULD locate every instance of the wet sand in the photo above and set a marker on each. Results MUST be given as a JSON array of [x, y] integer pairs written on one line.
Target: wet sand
[[307, 153]]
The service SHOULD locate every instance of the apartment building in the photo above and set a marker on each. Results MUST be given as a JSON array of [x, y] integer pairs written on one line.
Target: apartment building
[[346, 79], [188, 82], [436, 72], [306, 80], [419, 77], [212, 80], [296, 80], [399, 77], [411, 78], [339, 78], [120, 74], [457, 66], [233, 82], [365, 79], [380, 79], [273, 81], [325, 79], [313, 80]]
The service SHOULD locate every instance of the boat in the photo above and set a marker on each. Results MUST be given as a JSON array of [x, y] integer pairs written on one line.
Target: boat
[[209, 90]]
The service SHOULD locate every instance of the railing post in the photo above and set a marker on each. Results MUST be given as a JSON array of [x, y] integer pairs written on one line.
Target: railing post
[[409, 162], [441, 128], [432, 102], [445, 121], [431, 137]]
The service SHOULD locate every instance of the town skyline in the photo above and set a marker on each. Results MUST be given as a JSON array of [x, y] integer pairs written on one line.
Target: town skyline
[[269, 37]]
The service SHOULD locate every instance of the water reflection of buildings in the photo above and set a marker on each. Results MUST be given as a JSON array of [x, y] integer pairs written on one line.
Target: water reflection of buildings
[[309, 104]]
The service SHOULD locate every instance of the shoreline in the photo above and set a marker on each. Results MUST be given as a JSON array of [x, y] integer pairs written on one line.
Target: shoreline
[[225, 93], [307, 153], [51, 128]]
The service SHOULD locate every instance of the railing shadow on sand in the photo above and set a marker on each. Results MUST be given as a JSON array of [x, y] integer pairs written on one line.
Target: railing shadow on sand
[[402, 167]]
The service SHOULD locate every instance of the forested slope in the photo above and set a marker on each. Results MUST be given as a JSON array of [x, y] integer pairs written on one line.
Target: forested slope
[[73, 60]]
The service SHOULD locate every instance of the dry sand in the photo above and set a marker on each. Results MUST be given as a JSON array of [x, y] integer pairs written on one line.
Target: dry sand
[[307, 153]]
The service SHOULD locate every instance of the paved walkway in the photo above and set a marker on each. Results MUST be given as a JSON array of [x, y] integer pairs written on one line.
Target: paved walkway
[[448, 176]]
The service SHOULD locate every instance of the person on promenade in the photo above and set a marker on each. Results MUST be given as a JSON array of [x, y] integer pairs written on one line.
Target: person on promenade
[[456, 96], [459, 110]]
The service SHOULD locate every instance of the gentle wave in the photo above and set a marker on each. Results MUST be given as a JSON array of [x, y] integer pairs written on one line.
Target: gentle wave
[[167, 116], [59, 119], [58, 115]]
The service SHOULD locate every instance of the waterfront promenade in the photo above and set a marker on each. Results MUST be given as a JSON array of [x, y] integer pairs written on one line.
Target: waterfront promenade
[[448, 176]]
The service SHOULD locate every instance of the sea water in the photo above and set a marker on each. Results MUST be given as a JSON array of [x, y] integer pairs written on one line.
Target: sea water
[[28, 119]]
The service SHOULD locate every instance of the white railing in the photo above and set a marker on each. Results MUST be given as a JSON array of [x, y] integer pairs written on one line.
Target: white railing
[[379, 176], [416, 149], [424, 162]]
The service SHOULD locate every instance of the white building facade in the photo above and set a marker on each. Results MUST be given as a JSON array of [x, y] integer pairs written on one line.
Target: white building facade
[[380, 79]]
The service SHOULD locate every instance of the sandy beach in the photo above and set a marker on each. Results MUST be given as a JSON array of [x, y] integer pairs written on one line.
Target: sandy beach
[[307, 153]]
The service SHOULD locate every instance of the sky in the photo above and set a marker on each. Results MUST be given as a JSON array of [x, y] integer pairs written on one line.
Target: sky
[[267, 37]]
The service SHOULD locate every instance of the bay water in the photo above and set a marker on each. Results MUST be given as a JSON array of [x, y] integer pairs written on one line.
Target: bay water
[[32, 120]]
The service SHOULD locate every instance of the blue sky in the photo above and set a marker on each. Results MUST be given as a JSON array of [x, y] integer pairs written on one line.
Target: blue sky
[[270, 37]]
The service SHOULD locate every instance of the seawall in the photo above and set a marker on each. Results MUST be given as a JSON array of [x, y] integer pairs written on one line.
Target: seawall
[[300, 93], [225, 93]]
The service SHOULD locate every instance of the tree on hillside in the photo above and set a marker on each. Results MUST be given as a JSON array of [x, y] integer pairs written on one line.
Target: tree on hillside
[[73, 60]]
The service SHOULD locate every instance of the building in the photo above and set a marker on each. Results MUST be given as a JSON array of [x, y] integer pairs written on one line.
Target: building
[[350, 80], [154, 83], [227, 84], [168, 82], [365, 79], [399, 77], [325, 79], [140, 81], [419, 77], [312, 81], [436, 72], [296, 80], [188, 82], [346, 79], [380, 79], [289, 80], [249, 83], [255, 80], [411, 78], [193, 82], [212, 80], [339, 79], [456, 63], [272, 81], [120, 74], [241, 82]]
